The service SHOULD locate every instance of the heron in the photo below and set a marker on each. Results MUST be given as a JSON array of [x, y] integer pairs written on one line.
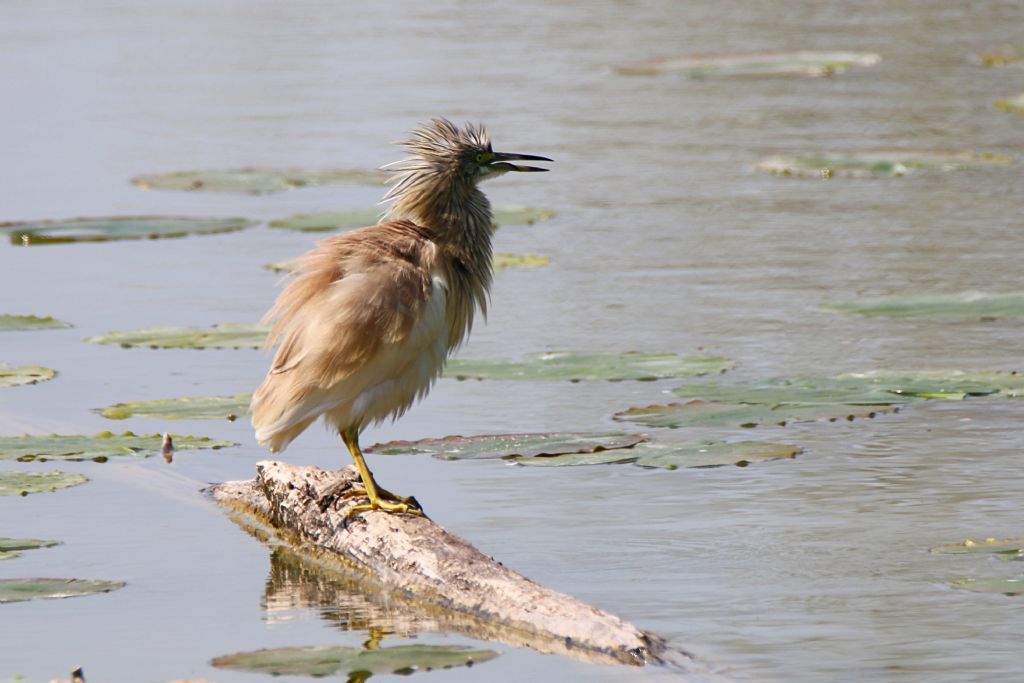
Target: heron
[[368, 318]]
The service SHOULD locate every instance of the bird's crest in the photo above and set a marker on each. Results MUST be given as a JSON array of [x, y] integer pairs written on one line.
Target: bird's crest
[[435, 148]]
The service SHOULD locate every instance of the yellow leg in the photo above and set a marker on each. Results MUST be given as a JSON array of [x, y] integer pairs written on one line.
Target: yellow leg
[[379, 498]]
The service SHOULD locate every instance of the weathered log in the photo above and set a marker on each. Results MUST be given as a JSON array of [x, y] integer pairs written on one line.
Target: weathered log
[[415, 559]]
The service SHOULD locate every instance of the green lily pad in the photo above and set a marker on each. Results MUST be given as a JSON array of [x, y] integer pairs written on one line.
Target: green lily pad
[[9, 323], [1001, 56], [503, 261], [117, 228], [329, 220], [941, 384], [756, 64], [25, 374], [520, 215], [1008, 586], [223, 336], [979, 305], [14, 483], [1013, 104], [509, 445], [104, 445], [876, 164], [256, 180], [9, 547], [706, 413], [184, 408], [674, 456], [328, 660], [20, 590], [987, 545], [579, 366]]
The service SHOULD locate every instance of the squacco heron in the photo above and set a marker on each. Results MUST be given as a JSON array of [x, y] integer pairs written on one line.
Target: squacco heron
[[369, 317]]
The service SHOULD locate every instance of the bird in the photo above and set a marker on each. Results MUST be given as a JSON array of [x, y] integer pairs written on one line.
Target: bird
[[368, 318]]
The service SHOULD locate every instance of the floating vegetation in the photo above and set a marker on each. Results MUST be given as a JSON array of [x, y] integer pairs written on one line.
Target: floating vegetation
[[11, 547], [675, 456], [223, 336], [117, 228], [580, 366], [876, 164], [804, 63], [503, 261], [12, 323], [184, 408], [1005, 55], [353, 662], [25, 374], [980, 305], [1005, 546], [99, 448], [20, 590], [15, 483], [748, 415], [520, 215], [510, 445], [256, 180], [329, 220], [1005, 586], [1013, 104]]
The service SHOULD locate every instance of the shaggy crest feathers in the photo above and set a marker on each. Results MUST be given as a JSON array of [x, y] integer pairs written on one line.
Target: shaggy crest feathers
[[437, 148]]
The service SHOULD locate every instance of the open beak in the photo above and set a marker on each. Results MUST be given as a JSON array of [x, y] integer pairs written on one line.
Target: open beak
[[501, 160]]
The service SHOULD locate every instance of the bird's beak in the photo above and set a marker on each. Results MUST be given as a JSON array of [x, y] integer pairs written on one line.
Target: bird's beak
[[501, 159]]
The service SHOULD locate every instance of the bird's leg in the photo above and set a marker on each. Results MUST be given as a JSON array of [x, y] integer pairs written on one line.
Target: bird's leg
[[380, 499]]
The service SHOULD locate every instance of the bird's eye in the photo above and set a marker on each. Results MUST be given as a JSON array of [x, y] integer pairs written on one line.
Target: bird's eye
[[482, 157]]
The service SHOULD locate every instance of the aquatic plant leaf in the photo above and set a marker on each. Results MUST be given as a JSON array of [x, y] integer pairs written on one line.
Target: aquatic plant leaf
[[720, 454], [876, 164], [184, 408], [696, 413], [9, 323], [285, 266], [329, 220], [578, 366], [755, 64], [104, 229], [979, 305], [25, 374], [328, 660], [20, 590], [1008, 586], [104, 445], [940, 384], [503, 261], [971, 546], [520, 215], [616, 456], [796, 391], [223, 336], [1001, 56], [256, 180], [9, 547], [1013, 104], [16, 483], [510, 445]]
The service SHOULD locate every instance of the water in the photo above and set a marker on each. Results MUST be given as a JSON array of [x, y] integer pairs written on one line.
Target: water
[[809, 570]]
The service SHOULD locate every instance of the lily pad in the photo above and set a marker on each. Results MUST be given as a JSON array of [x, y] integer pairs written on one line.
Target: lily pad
[[674, 456], [329, 220], [112, 228], [578, 366], [9, 323], [25, 374], [980, 305], [988, 545], [20, 590], [510, 445], [941, 384], [503, 261], [1001, 56], [256, 180], [328, 660], [698, 413], [184, 408], [9, 547], [756, 64], [104, 445], [1013, 104], [1007, 586], [876, 164], [223, 336], [520, 215], [14, 483]]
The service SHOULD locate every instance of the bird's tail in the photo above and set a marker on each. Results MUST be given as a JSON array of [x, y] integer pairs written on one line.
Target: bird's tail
[[274, 423]]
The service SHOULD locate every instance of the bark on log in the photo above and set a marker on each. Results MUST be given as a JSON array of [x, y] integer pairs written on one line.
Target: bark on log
[[415, 558]]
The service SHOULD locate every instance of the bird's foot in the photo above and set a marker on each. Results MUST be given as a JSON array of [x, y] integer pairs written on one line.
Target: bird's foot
[[385, 500], [412, 508]]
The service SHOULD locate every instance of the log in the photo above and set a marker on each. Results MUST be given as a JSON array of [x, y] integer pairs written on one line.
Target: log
[[417, 562]]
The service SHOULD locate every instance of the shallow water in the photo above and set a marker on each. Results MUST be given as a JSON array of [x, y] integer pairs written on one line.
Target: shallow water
[[809, 570]]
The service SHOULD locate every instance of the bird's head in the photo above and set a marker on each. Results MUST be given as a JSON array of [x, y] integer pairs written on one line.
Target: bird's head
[[441, 149]]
